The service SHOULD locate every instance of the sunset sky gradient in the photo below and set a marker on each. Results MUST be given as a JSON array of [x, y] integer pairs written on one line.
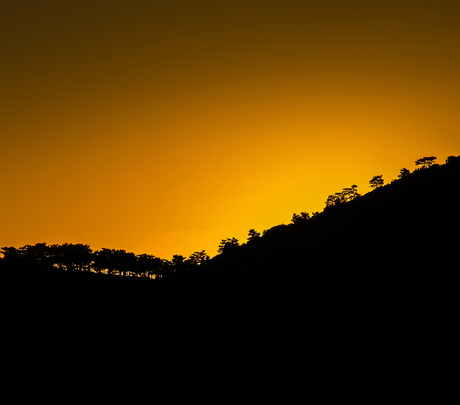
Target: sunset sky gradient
[[163, 127]]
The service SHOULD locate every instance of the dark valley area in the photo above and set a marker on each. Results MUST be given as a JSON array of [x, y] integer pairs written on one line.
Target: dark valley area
[[358, 302]]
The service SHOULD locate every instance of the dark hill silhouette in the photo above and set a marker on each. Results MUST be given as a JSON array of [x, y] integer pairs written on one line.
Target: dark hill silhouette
[[409, 224], [359, 302]]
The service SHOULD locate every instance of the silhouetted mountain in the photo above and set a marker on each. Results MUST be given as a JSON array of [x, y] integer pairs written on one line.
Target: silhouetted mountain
[[359, 302], [411, 224]]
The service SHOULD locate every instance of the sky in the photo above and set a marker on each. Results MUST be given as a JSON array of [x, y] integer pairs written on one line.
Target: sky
[[162, 127]]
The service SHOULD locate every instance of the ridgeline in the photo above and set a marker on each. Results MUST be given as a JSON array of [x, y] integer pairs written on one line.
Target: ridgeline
[[357, 302]]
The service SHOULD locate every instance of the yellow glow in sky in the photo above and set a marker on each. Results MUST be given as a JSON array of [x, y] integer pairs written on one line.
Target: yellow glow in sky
[[164, 127]]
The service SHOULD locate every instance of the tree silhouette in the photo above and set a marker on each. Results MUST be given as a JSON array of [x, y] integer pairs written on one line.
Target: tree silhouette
[[227, 245], [253, 235], [179, 263], [346, 195], [403, 173], [300, 217], [425, 162], [11, 255], [198, 258], [36, 255], [376, 181], [333, 199], [149, 265], [73, 256], [125, 262], [350, 193], [103, 261]]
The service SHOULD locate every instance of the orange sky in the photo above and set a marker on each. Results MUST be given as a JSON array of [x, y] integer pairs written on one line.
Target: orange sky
[[163, 127]]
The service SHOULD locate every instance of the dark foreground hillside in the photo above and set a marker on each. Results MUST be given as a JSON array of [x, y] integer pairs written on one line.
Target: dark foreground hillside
[[359, 303]]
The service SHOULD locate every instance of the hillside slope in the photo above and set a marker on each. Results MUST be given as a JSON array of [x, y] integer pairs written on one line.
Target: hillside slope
[[407, 225], [354, 303]]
